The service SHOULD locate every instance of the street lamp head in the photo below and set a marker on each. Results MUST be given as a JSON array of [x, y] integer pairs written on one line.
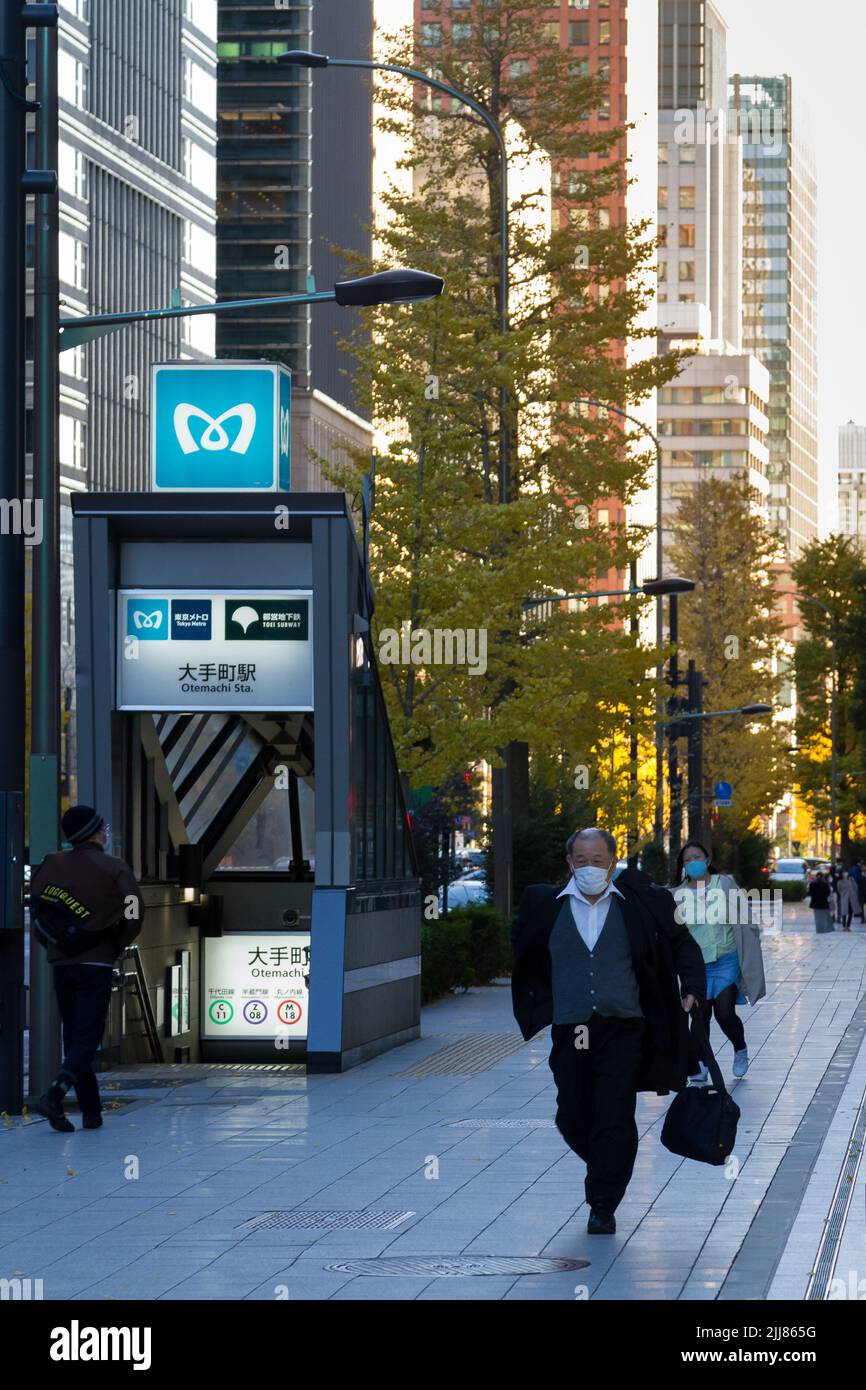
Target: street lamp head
[[756, 709], [389, 287], [672, 585], [301, 58]]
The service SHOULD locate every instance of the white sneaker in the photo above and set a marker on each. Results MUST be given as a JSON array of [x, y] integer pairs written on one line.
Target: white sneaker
[[741, 1062], [701, 1078]]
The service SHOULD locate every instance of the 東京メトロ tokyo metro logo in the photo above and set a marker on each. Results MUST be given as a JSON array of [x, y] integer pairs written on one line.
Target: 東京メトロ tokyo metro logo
[[214, 437], [147, 619], [221, 426], [191, 618]]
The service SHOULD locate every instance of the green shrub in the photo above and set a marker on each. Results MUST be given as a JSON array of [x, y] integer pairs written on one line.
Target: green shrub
[[469, 946], [791, 892]]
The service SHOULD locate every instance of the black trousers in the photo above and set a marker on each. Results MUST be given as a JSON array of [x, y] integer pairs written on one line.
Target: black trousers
[[83, 996], [724, 1006], [596, 1096]]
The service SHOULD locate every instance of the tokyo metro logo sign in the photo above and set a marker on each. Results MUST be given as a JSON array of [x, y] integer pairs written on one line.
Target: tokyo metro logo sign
[[214, 436], [221, 427]]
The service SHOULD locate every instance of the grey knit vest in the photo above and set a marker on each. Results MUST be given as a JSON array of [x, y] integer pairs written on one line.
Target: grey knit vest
[[601, 981]]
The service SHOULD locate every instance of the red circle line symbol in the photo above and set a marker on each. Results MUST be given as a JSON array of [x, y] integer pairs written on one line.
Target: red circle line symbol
[[289, 1004]]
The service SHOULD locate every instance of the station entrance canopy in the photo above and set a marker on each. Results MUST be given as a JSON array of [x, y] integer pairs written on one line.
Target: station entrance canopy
[[232, 730]]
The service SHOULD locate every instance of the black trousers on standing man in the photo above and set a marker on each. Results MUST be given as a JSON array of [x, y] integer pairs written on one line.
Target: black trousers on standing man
[[596, 1097]]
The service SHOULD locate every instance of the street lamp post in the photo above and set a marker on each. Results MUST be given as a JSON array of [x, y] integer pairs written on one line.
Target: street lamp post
[[645, 429], [834, 682], [690, 724], [387, 287], [501, 776], [45, 761]]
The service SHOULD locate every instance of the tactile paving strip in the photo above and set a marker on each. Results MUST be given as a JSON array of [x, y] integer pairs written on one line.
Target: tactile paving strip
[[307, 1218], [467, 1056], [459, 1266]]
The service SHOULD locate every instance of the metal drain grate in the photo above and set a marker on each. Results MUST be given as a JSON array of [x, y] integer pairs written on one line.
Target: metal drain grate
[[307, 1218], [502, 1124], [180, 1072], [828, 1253], [459, 1266], [467, 1056]]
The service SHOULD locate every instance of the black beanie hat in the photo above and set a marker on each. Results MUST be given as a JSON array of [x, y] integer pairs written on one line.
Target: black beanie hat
[[80, 822]]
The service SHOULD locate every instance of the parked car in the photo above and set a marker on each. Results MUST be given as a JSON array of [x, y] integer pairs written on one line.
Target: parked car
[[464, 892], [474, 858], [790, 871]]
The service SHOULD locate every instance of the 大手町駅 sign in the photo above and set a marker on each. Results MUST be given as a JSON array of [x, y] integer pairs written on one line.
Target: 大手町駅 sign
[[214, 651]]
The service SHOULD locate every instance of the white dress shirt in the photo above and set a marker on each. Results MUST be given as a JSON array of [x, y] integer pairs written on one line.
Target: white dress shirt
[[589, 918]]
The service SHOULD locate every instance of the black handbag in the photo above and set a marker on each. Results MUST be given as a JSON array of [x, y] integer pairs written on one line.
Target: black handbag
[[702, 1120]]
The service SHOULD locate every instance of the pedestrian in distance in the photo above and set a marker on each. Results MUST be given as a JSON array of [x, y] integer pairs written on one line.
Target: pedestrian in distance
[[610, 968], [847, 898], [856, 873], [709, 905], [85, 908], [861, 888], [818, 895]]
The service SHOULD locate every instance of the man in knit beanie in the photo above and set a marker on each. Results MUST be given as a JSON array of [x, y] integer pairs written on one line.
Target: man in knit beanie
[[100, 896]]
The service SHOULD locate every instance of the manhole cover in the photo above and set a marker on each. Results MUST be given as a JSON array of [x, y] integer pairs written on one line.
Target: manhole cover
[[458, 1266], [467, 1056], [306, 1218], [502, 1124]]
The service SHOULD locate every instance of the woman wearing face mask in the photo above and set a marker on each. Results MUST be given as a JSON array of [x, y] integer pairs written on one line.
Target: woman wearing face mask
[[705, 905]]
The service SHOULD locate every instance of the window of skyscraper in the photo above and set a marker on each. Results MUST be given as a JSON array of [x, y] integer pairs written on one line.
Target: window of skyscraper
[[578, 32]]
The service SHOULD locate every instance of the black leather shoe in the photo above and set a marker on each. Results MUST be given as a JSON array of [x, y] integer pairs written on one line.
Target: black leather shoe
[[601, 1222], [91, 1122], [52, 1108]]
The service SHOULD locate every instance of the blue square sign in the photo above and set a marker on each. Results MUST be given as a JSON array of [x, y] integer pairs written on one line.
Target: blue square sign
[[147, 619], [221, 427], [191, 619]]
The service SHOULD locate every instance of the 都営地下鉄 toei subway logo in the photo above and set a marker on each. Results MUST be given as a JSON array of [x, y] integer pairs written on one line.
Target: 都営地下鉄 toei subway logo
[[214, 437]]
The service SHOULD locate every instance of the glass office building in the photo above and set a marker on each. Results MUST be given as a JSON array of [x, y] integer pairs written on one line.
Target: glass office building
[[780, 290], [263, 180]]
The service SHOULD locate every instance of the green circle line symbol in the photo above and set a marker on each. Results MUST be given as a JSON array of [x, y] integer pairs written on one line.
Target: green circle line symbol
[[214, 1004]]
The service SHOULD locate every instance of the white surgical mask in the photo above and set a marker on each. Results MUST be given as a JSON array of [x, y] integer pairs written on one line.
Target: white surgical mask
[[591, 879]]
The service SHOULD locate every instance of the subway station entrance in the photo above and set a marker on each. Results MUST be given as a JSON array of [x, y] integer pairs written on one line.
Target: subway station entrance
[[232, 731]]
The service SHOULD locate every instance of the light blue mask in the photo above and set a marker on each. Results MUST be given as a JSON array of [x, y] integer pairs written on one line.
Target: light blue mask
[[696, 868]]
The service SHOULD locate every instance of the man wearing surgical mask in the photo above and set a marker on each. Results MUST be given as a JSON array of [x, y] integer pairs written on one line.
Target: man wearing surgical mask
[[608, 965]]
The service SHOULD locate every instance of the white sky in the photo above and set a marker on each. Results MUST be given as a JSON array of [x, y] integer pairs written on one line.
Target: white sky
[[822, 48]]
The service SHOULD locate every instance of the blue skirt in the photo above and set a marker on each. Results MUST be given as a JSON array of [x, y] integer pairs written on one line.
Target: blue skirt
[[721, 973]]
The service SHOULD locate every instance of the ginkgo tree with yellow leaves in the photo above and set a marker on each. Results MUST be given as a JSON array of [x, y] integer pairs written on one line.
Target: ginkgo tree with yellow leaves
[[570, 682], [730, 627]]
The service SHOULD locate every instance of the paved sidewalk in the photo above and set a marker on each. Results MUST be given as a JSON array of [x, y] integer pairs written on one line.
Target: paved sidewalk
[[435, 1163]]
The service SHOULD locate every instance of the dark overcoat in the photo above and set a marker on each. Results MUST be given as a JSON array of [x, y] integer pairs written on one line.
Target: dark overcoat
[[662, 949]]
